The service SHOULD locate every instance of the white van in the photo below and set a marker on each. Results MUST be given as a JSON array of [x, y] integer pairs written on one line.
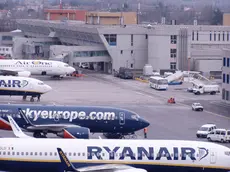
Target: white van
[[220, 135], [204, 130]]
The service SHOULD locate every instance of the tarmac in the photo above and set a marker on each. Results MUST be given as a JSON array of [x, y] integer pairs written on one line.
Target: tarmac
[[167, 121]]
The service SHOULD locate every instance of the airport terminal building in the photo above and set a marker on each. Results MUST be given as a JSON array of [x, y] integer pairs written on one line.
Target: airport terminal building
[[182, 47], [226, 76]]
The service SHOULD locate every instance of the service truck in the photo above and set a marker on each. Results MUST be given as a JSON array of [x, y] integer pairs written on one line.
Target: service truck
[[206, 89]]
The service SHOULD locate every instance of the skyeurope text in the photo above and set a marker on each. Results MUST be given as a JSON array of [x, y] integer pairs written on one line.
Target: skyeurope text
[[69, 115]]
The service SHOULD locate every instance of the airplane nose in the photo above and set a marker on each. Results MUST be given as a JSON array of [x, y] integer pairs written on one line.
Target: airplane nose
[[144, 123], [48, 88], [71, 69]]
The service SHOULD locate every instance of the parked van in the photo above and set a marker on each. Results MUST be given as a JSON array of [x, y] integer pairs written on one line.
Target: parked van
[[125, 73], [220, 135], [205, 130]]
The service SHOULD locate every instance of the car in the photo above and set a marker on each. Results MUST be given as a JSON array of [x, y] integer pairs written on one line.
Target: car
[[197, 107], [220, 135], [205, 130], [84, 65], [190, 89]]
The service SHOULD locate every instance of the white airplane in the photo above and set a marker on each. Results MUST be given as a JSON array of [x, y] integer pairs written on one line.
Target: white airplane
[[23, 86], [93, 155], [35, 67]]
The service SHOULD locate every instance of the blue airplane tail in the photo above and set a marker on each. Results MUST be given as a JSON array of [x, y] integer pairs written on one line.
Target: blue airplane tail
[[66, 164], [23, 115]]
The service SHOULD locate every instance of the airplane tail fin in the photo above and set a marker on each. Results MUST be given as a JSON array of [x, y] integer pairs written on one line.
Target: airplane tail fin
[[23, 115], [66, 164], [16, 129]]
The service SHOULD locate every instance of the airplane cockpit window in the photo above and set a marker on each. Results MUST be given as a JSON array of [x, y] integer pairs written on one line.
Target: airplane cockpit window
[[135, 117], [66, 65], [40, 83]]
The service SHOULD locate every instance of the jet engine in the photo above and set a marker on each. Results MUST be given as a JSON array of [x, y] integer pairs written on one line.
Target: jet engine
[[24, 73], [74, 133]]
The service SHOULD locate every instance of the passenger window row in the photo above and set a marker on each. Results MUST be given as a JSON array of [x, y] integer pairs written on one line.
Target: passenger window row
[[83, 154]]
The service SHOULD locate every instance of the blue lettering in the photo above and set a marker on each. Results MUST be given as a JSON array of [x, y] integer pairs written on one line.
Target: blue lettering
[[10, 83], [188, 151], [111, 152], [175, 153], [163, 152], [94, 150], [16, 82], [127, 151], [2, 82], [141, 151]]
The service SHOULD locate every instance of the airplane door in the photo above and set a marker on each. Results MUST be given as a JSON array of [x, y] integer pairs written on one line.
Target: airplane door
[[213, 157], [121, 118]]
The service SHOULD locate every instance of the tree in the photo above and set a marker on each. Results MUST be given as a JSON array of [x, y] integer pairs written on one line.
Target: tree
[[217, 17]]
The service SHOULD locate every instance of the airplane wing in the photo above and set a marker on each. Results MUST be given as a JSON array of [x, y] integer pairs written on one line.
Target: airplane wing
[[14, 72], [16, 129], [9, 72], [68, 166], [53, 127]]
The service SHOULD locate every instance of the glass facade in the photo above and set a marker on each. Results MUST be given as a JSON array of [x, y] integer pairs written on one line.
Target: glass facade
[[111, 39], [7, 38], [226, 79], [90, 53]]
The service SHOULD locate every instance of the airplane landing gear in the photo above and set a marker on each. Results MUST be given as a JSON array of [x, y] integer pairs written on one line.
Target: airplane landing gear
[[120, 136], [57, 77], [24, 98], [32, 99], [39, 135], [39, 96]]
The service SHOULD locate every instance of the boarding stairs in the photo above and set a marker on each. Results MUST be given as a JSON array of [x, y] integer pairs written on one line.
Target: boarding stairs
[[197, 78]]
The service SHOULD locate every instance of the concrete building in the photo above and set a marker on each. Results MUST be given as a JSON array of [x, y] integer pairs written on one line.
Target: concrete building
[[111, 18], [6, 43], [226, 19], [68, 14], [173, 47], [226, 76]]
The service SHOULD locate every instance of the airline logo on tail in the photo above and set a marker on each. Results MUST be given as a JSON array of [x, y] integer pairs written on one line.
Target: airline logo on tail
[[13, 83], [64, 158]]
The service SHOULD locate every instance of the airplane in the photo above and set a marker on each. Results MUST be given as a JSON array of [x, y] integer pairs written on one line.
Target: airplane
[[177, 155], [114, 155], [25, 68], [71, 121], [23, 86]]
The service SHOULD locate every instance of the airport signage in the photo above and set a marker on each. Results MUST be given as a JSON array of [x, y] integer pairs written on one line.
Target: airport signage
[[33, 63], [150, 153], [13, 83], [68, 115]]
